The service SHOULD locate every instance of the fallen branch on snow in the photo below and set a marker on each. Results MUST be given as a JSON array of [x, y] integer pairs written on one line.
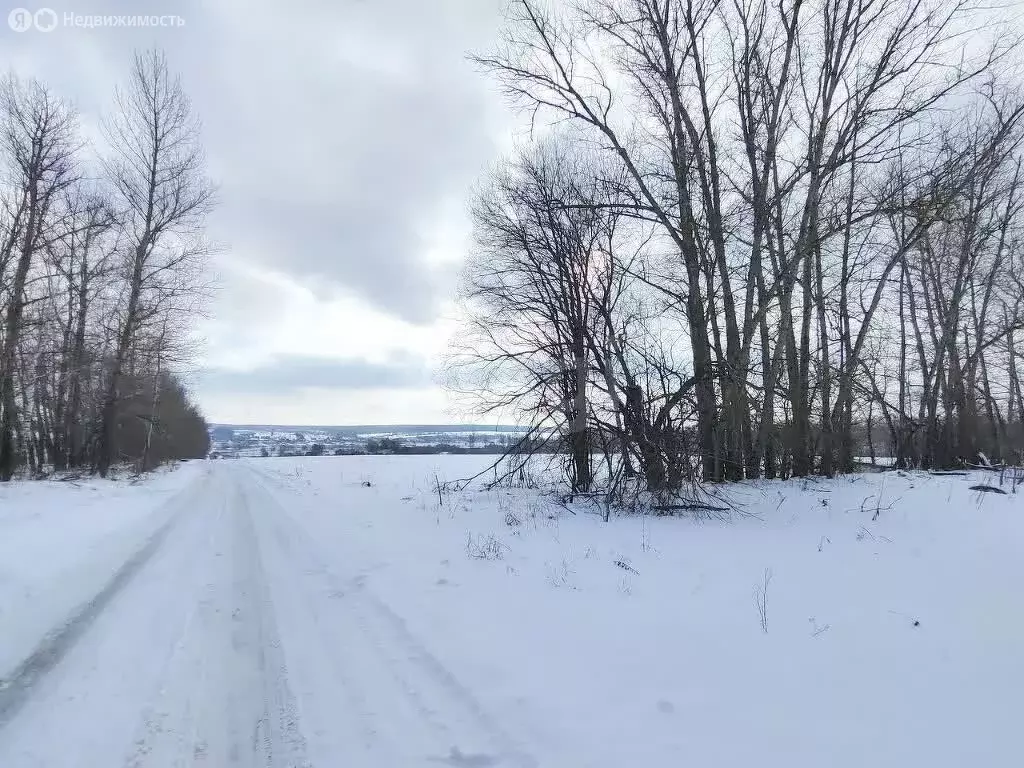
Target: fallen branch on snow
[[988, 489], [689, 508]]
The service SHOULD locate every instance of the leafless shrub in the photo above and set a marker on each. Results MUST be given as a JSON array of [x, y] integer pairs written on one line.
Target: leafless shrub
[[873, 504], [560, 575], [482, 547]]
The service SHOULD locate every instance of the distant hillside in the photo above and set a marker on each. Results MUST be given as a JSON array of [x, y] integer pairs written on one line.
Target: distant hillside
[[371, 429], [266, 440]]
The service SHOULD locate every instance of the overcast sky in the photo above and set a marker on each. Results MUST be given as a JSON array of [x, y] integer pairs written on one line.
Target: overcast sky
[[345, 136]]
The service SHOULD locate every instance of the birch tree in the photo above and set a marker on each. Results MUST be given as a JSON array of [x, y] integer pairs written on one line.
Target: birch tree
[[39, 142]]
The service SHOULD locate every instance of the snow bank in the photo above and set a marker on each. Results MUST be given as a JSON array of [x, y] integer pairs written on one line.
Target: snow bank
[[870, 620], [61, 542]]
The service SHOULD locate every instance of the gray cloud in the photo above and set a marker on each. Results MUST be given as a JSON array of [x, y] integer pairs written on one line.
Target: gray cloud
[[335, 128], [288, 374]]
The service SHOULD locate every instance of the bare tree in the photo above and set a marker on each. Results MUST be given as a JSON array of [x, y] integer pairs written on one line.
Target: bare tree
[[39, 141], [80, 261], [157, 169], [539, 230], [770, 145]]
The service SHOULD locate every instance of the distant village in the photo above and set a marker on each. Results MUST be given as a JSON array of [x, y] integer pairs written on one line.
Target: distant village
[[229, 441]]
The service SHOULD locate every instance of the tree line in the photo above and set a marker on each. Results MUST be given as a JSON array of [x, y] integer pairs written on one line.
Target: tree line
[[102, 264], [745, 235]]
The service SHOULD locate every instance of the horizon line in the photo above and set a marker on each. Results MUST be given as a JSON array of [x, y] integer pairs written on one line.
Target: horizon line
[[354, 426]]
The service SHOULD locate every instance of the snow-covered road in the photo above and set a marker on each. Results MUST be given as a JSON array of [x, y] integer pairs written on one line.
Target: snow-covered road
[[350, 612], [180, 658]]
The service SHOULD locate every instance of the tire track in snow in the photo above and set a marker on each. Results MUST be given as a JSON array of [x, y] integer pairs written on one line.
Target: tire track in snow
[[17, 688], [176, 720], [348, 731], [183, 666], [277, 737], [222, 697], [356, 621]]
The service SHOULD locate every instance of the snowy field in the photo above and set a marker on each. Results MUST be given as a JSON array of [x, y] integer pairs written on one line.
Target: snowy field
[[336, 611]]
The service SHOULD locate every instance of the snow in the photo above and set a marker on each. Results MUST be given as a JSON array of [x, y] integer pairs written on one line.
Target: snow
[[60, 542], [293, 615]]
